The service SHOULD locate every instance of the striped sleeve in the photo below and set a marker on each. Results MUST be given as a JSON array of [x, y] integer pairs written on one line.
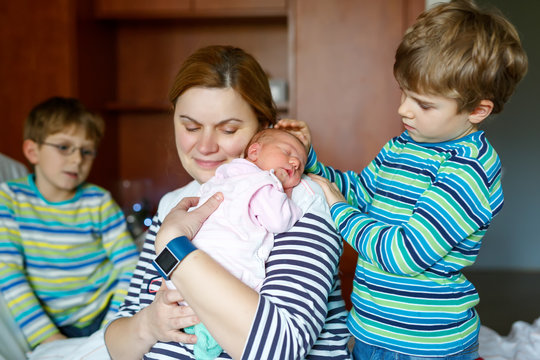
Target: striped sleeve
[[455, 207], [22, 302], [293, 307], [120, 249], [54, 268], [301, 313], [358, 189]]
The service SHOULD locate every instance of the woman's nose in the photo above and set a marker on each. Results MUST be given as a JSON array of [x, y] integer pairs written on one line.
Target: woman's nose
[[207, 143]]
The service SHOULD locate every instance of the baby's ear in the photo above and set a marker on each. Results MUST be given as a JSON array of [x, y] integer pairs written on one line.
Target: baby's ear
[[253, 151], [481, 111], [31, 151]]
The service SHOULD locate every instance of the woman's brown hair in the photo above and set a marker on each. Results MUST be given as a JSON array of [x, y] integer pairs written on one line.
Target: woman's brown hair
[[228, 67]]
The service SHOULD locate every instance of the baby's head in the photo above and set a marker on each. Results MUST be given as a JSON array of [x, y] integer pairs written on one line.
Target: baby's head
[[459, 51], [279, 150]]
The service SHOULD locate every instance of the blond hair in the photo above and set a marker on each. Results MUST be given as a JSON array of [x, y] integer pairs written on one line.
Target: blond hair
[[460, 51], [59, 113]]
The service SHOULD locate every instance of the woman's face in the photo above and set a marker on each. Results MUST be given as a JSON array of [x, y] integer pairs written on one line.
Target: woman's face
[[212, 126]]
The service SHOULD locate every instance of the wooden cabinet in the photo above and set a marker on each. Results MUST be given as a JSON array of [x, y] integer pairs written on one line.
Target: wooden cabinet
[[152, 40], [51, 48], [189, 8], [120, 56], [342, 84]]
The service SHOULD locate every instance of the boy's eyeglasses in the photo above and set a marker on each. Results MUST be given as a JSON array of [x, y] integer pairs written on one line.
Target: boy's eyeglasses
[[67, 150]]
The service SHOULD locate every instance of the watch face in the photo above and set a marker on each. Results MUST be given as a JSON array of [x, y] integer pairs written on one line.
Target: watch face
[[166, 261]]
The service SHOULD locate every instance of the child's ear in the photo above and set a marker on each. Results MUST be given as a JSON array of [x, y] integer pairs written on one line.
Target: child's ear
[[253, 151], [31, 151], [481, 111]]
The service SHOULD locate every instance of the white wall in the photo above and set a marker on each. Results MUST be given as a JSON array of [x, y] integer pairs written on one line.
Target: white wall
[[513, 240]]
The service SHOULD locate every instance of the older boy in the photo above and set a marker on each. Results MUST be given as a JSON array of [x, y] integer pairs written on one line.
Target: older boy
[[66, 256], [417, 213]]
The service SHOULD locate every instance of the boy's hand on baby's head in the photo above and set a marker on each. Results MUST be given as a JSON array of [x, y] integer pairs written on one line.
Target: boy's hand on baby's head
[[331, 191], [298, 128]]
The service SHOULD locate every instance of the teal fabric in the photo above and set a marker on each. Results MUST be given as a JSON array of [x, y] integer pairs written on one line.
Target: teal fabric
[[206, 347]]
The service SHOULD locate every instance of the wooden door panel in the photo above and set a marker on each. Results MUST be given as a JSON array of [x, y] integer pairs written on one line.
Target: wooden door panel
[[343, 84]]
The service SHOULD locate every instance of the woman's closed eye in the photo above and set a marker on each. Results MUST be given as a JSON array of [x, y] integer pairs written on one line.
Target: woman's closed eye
[[191, 127], [228, 130]]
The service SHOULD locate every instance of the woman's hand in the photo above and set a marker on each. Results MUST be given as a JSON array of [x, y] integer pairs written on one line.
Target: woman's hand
[[331, 191], [162, 320], [180, 222], [298, 128], [132, 337], [166, 319]]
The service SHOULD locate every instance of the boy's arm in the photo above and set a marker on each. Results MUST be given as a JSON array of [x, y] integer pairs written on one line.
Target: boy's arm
[[357, 189], [120, 248], [21, 300], [448, 222]]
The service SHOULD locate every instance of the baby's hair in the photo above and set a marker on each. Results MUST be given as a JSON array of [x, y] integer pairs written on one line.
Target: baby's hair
[[266, 135], [460, 51], [59, 113]]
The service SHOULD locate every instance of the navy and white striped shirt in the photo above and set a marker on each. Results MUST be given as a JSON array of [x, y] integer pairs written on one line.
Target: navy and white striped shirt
[[301, 314]]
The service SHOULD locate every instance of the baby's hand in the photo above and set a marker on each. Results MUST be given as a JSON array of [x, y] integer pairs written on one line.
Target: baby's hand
[[298, 128]]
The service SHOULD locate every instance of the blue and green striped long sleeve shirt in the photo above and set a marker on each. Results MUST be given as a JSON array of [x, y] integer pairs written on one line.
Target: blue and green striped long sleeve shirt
[[62, 263], [417, 215]]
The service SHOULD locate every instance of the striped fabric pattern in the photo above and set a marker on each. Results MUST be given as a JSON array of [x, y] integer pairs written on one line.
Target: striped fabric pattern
[[301, 313], [416, 215], [61, 263]]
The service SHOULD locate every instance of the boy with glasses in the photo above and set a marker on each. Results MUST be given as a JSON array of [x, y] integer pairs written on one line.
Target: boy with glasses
[[66, 256]]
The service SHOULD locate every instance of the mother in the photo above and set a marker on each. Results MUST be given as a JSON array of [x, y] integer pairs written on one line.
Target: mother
[[221, 98]]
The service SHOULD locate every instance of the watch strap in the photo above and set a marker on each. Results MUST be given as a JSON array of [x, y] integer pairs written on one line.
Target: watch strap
[[179, 248]]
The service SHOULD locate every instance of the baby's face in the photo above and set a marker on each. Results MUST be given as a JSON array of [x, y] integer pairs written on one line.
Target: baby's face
[[286, 155]]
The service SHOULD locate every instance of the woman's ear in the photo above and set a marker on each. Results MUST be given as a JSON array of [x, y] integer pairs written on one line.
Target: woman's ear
[[31, 151], [481, 111], [253, 152]]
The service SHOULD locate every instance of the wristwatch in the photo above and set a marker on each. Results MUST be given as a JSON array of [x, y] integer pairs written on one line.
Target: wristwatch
[[173, 253]]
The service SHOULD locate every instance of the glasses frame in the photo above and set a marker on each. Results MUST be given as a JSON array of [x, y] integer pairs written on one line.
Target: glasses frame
[[68, 150]]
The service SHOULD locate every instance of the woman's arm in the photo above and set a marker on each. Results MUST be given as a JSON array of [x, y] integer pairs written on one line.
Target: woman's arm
[[132, 337], [120, 248], [290, 312], [289, 315], [206, 285], [148, 314]]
